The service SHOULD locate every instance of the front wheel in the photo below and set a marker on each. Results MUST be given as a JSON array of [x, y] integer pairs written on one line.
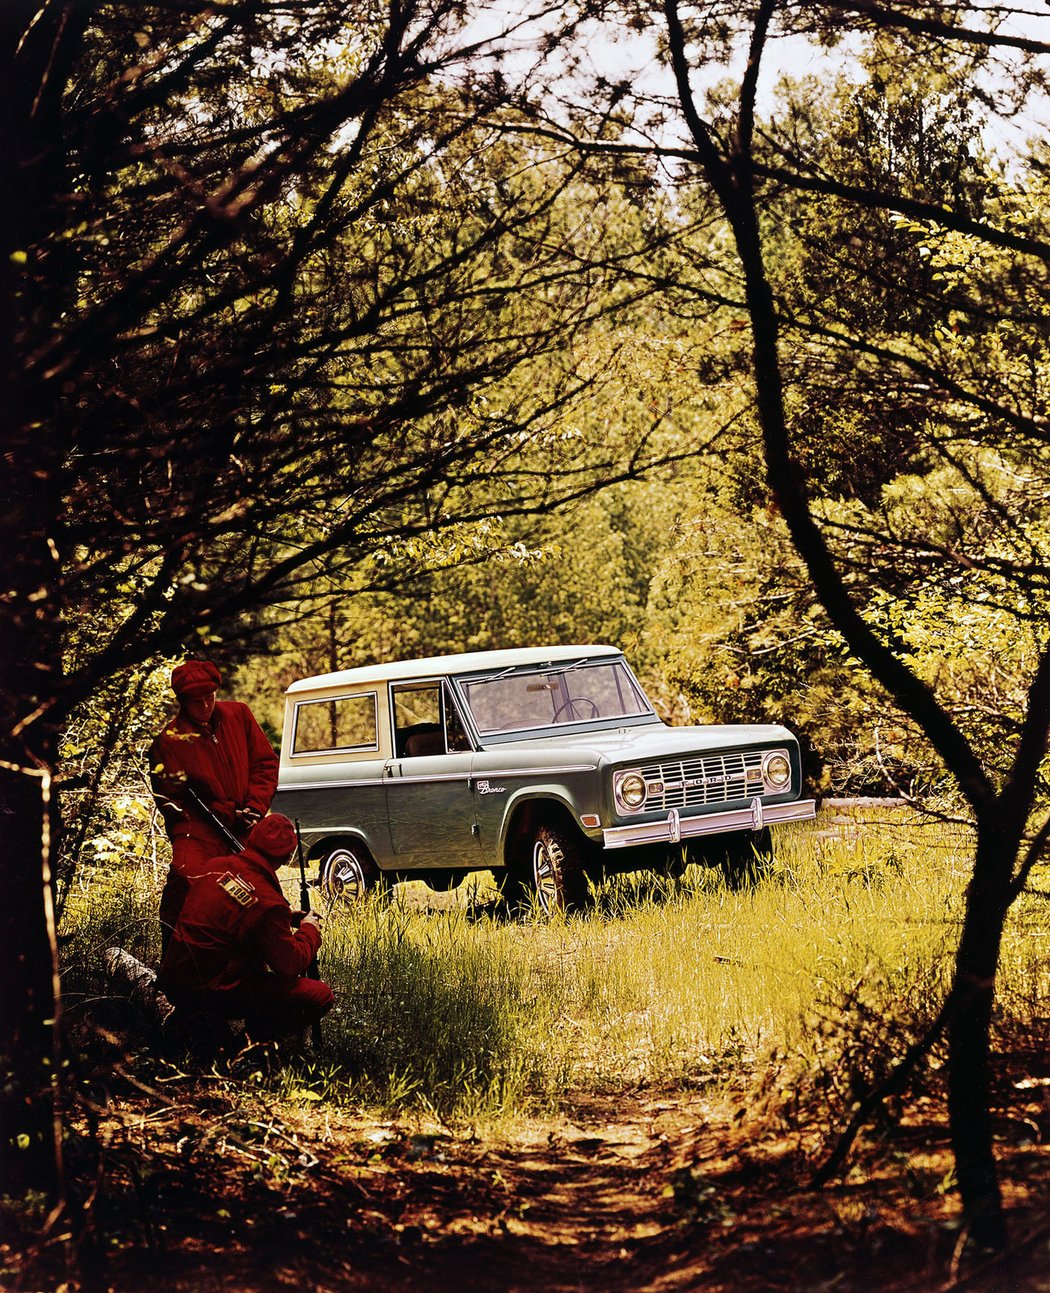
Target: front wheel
[[745, 856], [557, 870], [348, 873]]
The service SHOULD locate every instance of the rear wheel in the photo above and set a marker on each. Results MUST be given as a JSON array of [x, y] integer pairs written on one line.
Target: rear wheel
[[558, 875], [348, 873]]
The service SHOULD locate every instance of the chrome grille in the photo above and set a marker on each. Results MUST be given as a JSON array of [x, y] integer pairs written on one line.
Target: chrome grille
[[713, 779]]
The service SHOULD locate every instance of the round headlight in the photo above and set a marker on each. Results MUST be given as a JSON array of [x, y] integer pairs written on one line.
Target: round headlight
[[776, 768], [630, 790]]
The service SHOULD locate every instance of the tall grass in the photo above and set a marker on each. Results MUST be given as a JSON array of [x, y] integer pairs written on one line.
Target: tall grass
[[660, 984], [107, 907]]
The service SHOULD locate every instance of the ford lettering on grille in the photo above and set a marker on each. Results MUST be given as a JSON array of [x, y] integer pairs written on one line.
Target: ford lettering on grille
[[711, 779]]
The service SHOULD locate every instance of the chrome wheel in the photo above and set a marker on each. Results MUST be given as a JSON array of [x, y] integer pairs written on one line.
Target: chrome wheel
[[546, 874], [558, 877], [347, 874]]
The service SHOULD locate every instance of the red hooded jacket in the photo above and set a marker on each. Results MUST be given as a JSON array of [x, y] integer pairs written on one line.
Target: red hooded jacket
[[229, 762], [234, 924]]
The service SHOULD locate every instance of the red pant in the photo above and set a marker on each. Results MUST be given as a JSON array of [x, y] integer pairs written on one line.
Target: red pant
[[269, 1004]]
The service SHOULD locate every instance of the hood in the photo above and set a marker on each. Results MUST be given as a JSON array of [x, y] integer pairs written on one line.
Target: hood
[[649, 742]]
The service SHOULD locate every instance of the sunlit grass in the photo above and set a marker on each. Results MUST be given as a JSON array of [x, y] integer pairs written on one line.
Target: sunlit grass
[[106, 907], [662, 985]]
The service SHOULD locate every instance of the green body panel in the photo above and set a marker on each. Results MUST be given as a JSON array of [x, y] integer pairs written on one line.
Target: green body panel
[[331, 805], [503, 783], [430, 807]]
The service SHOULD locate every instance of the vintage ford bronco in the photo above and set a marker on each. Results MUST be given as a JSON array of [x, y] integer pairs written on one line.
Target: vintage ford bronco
[[544, 765]]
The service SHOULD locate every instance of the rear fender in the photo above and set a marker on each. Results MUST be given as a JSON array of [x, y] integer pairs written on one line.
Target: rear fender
[[324, 842]]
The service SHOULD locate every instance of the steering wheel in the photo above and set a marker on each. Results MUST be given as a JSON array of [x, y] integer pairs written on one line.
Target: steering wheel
[[571, 704]]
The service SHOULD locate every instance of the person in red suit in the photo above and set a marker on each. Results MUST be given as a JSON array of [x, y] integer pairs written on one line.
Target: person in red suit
[[234, 951], [217, 749]]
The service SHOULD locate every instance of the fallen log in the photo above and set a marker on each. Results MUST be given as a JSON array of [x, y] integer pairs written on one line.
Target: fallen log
[[202, 1035], [140, 983]]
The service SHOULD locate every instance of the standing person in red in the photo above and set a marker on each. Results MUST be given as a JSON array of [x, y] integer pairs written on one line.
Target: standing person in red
[[234, 952], [217, 749]]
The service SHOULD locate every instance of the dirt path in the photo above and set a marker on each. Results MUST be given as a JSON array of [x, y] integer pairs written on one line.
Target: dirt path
[[634, 1193]]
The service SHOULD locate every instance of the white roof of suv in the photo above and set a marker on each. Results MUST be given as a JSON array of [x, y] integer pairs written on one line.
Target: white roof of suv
[[438, 666]]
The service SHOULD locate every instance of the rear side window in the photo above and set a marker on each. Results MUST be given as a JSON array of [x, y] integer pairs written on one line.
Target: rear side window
[[336, 724]]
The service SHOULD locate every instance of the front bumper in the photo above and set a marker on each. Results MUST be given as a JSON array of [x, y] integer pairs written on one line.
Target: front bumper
[[675, 828]]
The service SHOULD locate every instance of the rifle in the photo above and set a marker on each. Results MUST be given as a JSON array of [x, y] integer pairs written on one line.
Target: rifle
[[312, 971], [208, 817]]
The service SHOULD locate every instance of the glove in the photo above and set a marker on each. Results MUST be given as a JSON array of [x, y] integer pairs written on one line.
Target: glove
[[246, 818]]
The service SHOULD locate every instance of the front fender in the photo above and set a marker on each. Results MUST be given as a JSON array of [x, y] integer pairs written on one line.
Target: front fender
[[533, 798]]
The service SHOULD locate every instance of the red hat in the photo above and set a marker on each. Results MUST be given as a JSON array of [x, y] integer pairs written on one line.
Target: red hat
[[195, 678], [274, 837]]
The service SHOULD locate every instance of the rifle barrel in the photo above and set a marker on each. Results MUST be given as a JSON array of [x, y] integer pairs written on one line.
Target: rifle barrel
[[304, 901], [304, 888], [209, 818]]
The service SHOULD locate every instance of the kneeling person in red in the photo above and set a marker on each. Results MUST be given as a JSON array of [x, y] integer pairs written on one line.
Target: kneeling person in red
[[234, 951]]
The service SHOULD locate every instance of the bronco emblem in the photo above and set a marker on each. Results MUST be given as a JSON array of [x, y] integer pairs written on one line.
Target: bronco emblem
[[484, 788]]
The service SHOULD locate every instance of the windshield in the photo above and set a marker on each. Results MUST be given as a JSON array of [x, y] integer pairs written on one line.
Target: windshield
[[579, 692]]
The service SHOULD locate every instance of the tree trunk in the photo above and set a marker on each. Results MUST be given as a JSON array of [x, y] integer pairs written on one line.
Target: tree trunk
[[969, 1040], [39, 44], [30, 1142]]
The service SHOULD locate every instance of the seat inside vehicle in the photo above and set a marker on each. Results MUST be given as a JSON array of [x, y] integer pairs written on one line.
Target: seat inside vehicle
[[420, 740]]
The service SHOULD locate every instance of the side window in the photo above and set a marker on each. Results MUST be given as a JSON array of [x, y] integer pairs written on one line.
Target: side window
[[417, 720], [426, 721], [339, 723]]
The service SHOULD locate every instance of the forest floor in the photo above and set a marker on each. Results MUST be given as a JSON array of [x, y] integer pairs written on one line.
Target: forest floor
[[212, 1185]]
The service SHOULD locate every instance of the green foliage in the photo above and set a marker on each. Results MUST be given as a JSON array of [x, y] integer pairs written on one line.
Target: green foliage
[[693, 573], [111, 906], [575, 577], [739, 632], [109, 822]]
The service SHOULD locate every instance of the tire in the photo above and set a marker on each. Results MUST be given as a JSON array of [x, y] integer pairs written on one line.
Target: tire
[[558, 876], [674, 864], [348, 874], [745, 856], [515, 890]]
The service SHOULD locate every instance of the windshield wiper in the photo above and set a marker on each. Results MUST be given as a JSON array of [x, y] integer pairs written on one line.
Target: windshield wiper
[[524, 672], [568, 668], [487, 677]]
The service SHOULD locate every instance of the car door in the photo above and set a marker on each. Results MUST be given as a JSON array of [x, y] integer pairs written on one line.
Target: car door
[[430, 805]]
